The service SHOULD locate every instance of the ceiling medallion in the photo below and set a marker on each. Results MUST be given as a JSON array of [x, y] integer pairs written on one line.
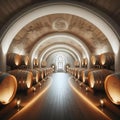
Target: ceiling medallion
[[60, 24]]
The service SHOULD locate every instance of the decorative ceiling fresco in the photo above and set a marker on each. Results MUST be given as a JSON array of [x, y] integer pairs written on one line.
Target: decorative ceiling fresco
[[60, 23]]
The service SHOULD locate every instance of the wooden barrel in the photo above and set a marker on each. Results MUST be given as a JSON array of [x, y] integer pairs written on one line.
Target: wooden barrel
[[25, 60], [75, 72], [96, 78], [35, 75], [84, 62], [79, 73], [76, 63], [44, 72], [8, 88], [95, 60], [107, 59], [84, 75], [13, 59], [112, 87], [24, 78], [41, 73], [35, 62]]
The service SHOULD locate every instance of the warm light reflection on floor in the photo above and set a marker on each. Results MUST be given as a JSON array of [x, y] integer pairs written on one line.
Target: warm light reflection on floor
[[32, 101], [60, 102], [87, 100]]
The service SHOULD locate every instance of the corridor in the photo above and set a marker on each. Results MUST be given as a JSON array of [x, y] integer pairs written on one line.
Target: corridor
[[60, 102], [60, 60]]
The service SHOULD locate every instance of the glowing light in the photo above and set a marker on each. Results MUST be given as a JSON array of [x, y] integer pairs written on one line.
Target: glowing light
[[101, 102], [87, 89], [18, 102], [34, 89]]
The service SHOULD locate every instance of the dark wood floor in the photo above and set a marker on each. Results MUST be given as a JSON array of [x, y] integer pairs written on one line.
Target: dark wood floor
[[59, 102]]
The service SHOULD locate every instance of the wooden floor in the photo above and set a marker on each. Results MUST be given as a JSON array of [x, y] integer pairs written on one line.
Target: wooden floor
[[60, 102]]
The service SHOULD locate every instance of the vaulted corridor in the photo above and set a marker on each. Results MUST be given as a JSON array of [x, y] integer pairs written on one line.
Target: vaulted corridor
[[61, 102], [59, 59]]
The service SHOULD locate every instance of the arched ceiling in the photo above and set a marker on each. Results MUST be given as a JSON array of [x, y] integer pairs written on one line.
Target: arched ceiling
[[8, 8], [46, 56], [92, 40]]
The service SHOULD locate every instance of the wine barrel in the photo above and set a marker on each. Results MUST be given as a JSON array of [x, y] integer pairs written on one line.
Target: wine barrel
[[35, 75], [44, 72], [84, 75], [35, 62], [41, 73], [95, 60], [13, 59], [75, 72], [96, 78], [76, 63], [84, 62], [25, 60], [79, 73], [112, 87], [8, 88], [107, 59], [24, 78]]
